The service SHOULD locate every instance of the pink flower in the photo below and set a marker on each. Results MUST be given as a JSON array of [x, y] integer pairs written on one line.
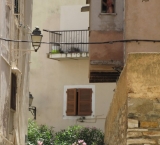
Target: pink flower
[[80, 141], [40, 142]]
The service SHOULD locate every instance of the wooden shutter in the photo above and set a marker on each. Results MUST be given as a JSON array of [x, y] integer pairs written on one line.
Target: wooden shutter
[[13, 91], [71, 102], [84, 102]]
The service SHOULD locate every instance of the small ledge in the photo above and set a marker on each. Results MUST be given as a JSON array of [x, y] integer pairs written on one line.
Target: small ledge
[[110, 14]]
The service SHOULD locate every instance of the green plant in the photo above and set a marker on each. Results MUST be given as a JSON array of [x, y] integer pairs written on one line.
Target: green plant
[[68, 136], [55, 51], [92, 136], [79, 142], [36, 132]]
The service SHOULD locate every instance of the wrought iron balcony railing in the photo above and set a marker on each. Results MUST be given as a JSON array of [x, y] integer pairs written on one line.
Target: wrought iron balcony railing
[[71, 50]]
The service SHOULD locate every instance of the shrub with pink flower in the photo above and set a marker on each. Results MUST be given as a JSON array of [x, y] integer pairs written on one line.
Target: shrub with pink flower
[[80, 142], [39, 142]]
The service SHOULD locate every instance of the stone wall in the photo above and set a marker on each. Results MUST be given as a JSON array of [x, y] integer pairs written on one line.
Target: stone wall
[[135, 120], [116, 121], [143, 121]]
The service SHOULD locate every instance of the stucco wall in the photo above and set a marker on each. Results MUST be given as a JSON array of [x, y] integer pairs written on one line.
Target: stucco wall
[[103, 21], [105, 52], [13, 124], [48, 77], [141, 22], [106, 27], [69, 20], [51, 95]]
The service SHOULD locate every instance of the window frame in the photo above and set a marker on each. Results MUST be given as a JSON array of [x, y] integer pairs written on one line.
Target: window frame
[[65, 100], [114, 10]]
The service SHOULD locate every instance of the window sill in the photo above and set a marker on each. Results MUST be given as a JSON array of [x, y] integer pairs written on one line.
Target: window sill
[[77, 117], [12, 110], [110, 14]]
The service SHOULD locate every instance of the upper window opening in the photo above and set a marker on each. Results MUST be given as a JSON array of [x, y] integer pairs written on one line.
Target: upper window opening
[[13, 91], [16, 6], [108, 6]]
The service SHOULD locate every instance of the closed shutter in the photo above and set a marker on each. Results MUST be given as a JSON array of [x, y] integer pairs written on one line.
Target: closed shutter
[[71, 102], [84, 102], [13, 91]]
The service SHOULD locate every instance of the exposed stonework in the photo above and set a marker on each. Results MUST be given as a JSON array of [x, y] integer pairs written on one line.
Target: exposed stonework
[[116, 122], [144, 116], [141, 120], [119, 127]]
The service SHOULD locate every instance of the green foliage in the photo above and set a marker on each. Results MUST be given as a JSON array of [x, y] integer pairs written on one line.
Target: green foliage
[[36, 132], [68, 136], [92, 136], [54, 51]]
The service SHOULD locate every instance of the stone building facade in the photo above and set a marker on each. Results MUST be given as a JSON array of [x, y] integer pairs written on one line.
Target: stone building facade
[[15, 16]]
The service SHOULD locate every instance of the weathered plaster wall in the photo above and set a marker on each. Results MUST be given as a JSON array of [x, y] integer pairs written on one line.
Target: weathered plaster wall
[[105, 52], [106, 22], [106, 27], [142, 22], [134, 113], [13, 124], [24, 66]]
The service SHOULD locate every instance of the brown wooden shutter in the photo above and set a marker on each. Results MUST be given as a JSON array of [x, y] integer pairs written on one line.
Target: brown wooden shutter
[[71, 102], [84, 102], [13, 91]]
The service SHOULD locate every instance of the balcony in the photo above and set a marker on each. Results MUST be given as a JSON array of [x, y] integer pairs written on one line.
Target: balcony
[[68, 44]]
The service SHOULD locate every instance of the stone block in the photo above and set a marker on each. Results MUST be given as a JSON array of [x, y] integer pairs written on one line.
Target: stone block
[[146, 124], [139, 105], [135, 129], [140, 141], [152, 133], [132, 123], [156, 106], [134, 134]]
